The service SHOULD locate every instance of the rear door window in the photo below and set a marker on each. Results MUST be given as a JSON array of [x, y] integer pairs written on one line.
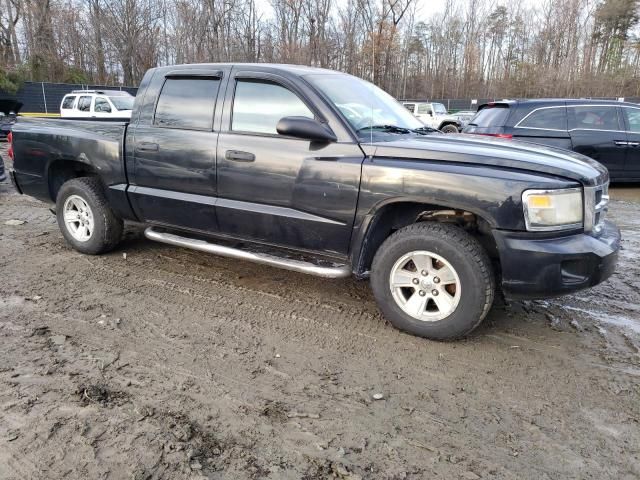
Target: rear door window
[[491, 116], [84, 104], [187, 103], [594, 117], [68, 102], [550, 118]]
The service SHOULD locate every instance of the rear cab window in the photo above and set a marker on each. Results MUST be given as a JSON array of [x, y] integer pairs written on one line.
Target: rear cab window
[[187, 103]]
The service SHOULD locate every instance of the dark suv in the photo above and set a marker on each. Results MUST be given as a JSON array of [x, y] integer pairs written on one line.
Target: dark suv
[[607, 131]]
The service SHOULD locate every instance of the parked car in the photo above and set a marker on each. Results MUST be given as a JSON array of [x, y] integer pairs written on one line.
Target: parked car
[[3, 174], [9, 110], [288, 159], [434, 115], [464, 117], [607, 131], [97, 103]]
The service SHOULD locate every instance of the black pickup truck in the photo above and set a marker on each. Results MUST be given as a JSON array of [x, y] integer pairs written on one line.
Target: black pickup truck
[[320, 172]]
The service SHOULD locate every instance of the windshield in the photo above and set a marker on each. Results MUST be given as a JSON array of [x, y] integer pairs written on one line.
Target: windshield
[[363, 104], [122, 103], [439, 109]]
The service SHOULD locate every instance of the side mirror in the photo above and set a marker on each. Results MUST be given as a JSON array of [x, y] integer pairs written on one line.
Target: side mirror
[[306, 128]]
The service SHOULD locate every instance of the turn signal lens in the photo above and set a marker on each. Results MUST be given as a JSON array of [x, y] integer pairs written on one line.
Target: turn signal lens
[[540, 201]]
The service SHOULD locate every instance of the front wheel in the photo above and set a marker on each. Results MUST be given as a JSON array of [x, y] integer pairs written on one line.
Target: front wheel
[[433, 280], [450, 128], [85, 218]]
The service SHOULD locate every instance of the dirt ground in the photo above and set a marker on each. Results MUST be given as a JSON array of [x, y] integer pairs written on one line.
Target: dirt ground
[[159, 362]]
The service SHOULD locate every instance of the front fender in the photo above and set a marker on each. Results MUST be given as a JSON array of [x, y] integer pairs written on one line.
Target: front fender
[[493, 194]]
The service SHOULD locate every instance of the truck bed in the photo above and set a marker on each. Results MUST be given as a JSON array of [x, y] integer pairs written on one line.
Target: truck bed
[[111, 129], [42, 144]]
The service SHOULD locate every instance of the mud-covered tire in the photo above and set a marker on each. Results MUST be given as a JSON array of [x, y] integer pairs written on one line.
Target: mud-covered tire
[[106, 230], [450, 128], [469, 261]]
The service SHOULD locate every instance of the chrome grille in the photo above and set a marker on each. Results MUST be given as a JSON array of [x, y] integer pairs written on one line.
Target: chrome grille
[[596, 202]]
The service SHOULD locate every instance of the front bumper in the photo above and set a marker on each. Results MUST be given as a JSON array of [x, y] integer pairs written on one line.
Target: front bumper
[[550, 267]]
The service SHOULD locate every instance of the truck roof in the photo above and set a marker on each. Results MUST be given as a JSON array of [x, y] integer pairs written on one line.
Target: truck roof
[[113, 93], [296, 70], [538, 102]]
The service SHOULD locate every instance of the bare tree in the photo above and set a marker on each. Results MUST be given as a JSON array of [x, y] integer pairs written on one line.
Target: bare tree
[[478, 48]]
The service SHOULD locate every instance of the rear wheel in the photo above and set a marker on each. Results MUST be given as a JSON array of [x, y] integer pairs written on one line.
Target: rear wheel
[[433, 280], [85, 218]]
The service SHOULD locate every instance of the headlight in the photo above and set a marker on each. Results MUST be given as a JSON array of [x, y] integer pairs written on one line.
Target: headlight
[[547, 210]]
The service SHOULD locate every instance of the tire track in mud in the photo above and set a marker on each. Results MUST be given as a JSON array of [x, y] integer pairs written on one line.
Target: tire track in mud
[[302, 334], [348, 319], [323, 337], [300, 316], [422, 422]]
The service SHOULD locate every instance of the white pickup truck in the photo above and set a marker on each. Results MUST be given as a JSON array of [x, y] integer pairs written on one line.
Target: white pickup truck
[[434, 115]]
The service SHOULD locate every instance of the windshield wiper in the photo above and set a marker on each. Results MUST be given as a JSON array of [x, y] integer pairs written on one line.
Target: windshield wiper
[[425, 130], [386, 128], [402, 130]]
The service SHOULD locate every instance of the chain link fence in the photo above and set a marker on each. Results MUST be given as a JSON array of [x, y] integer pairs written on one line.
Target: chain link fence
[[43, 97]]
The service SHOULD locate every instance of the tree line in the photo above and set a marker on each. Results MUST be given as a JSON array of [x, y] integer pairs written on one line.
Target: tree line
[[470, 48]]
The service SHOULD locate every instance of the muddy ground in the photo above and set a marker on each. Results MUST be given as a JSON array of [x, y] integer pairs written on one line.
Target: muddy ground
[[159, 362]]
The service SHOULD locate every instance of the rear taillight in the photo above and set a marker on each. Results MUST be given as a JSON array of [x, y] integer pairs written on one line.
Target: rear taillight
[[497, 135], [10, 140]]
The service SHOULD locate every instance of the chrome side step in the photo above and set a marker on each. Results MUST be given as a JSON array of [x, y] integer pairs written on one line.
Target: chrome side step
[[338, 271]]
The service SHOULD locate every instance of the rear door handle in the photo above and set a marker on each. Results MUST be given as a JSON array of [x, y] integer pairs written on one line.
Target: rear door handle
[[633, 144], [621, 143], [238, 156], [147, 147]]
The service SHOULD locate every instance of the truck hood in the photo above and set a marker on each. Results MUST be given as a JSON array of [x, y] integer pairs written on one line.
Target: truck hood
[[502, 153]]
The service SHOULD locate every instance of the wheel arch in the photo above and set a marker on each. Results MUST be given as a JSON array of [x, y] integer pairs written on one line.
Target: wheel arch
[[391, 216], [60, 171]]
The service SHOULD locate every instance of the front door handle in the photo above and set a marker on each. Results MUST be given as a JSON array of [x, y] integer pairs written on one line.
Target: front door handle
[[621, 143], [238, 156], [147, 147], [633, 144]]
